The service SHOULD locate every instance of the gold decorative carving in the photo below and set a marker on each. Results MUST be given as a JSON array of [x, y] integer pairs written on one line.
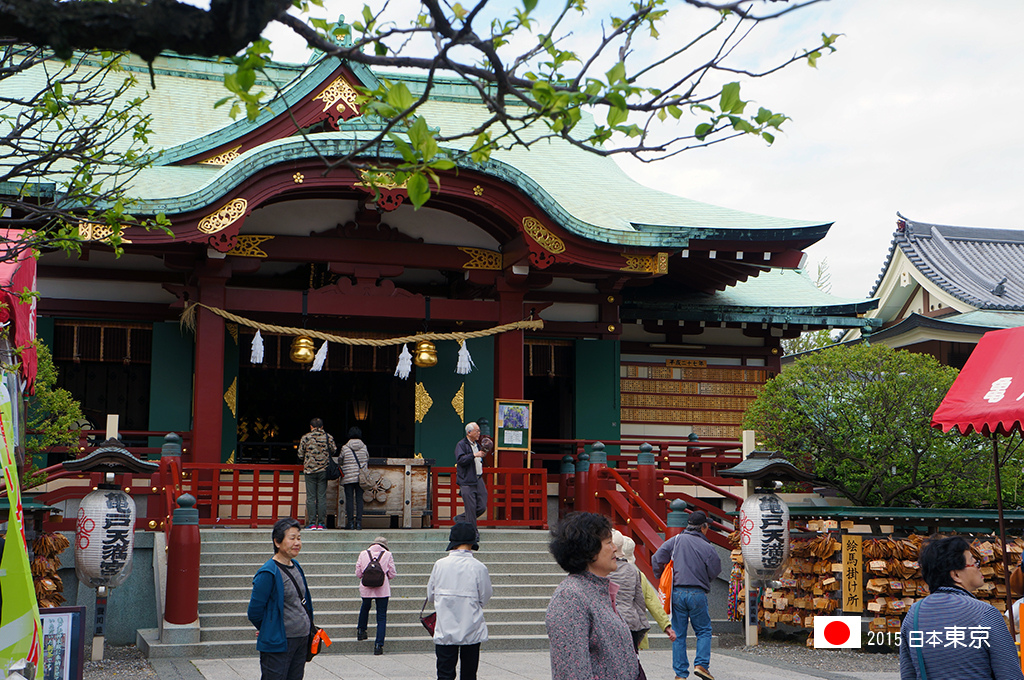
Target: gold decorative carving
[[339, 90], [423, 402], [539, 233], [223, 158], [478, 190], [650, 264], [298, 178], [378, 179], [223, 217], [248, 245], [482, 259], [459, 402], [92, 231], [231, 397], [232, 329]]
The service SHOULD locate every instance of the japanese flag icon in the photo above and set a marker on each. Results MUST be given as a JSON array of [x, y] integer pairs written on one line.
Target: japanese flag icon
[[836, 632]]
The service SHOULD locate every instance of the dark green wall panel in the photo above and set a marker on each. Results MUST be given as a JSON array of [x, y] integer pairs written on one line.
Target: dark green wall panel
[[170, 386], [597, 391]]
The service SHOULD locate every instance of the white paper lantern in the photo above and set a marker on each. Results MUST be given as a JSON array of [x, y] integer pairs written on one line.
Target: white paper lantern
[[764, 534], [104, 538]]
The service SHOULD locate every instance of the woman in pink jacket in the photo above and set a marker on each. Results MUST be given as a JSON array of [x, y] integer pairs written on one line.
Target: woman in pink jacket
[[377, 551]]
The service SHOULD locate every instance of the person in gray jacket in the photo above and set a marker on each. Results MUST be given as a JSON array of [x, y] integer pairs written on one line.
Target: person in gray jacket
[[695, 563], [352, 458], [629, 601], [459, 587]]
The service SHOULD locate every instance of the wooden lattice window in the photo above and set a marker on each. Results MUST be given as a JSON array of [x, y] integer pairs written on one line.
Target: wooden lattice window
[[103, 341]]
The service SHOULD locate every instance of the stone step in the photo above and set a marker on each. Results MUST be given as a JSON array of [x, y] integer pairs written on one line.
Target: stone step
[[395, 604], [498, 578], [325, 555], [262, 537], [396, 629], [147, 641], [398, 589], [347, 569], [346, 618]]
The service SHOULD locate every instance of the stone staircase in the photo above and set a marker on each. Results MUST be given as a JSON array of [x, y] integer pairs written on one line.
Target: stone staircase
[[522, 571]]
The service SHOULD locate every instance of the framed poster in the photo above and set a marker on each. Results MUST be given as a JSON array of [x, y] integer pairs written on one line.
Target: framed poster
[[513, 419], [63, 642]]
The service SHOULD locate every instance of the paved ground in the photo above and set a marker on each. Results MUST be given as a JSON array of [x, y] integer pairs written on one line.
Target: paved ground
[[727, 664]]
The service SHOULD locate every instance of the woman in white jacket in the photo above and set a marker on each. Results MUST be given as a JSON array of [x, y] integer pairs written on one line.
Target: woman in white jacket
[[459, 587]]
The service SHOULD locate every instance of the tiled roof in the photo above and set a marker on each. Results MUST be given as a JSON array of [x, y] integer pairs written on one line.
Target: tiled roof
[[587, 194], [982, 267]]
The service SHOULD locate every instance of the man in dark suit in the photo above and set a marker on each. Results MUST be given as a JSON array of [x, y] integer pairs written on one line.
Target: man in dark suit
[[469, 476]]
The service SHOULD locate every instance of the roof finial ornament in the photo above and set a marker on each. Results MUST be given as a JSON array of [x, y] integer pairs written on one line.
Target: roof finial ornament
[[1000, 288]]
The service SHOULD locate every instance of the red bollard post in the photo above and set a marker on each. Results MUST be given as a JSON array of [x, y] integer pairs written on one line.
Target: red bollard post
[[677, 518], [645, 471], [182, 597], [566, 486], [584, 493]]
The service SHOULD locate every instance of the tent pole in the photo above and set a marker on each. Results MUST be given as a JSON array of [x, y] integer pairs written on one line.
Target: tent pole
[[1002, 534]]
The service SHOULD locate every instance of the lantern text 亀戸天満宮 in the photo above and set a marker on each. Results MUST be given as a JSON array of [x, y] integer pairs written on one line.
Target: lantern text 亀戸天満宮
[[104, 538], [764, 534]]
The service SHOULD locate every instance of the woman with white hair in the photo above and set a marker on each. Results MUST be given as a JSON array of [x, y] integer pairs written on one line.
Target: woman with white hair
[[651, 599], [630, 598]]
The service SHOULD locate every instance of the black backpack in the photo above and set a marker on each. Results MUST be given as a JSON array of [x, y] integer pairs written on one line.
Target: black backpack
[[373, 574]]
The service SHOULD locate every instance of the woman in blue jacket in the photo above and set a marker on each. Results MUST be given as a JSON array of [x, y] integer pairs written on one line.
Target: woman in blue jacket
[[280, 607]]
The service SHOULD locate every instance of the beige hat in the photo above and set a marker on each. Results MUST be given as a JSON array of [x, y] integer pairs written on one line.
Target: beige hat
[[627, 549], [381, 541], [617, 541]]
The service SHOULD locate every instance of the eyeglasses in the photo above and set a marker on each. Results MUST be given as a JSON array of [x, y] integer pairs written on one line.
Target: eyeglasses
[[973, 563]]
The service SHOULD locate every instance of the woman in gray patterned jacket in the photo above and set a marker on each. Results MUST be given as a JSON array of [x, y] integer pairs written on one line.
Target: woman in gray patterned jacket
[[353, 457]]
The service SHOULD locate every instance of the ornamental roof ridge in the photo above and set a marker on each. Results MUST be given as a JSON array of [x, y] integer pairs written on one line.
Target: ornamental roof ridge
[[983, 267], [739, 225]]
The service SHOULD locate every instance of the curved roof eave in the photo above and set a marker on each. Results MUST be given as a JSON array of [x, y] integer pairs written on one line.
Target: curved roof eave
[[291, 95], [209, 189]]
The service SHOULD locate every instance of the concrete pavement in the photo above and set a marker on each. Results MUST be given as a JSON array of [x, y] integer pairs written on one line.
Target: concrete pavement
[[725, 664]]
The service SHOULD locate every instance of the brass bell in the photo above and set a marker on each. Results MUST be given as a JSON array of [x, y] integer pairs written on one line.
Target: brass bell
[[302, 351], [426, 354]]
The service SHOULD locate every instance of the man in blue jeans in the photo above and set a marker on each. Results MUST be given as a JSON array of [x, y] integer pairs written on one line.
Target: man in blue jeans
[[695, 563]]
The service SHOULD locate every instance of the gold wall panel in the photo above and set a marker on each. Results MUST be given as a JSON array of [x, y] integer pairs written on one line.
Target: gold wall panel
[[482, 259], [223, 217], [539, 233], [223, 158], [248, 245]]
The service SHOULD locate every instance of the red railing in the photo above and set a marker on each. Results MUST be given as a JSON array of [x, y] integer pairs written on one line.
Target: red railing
[[242, 495], [517, 497], [701, 458]]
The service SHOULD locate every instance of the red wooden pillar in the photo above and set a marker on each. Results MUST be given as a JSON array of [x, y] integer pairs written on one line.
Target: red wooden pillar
[[646, 472], [582, 501], [566, 486], [508, 360], [182, 597], [596, 480], [208, 399]]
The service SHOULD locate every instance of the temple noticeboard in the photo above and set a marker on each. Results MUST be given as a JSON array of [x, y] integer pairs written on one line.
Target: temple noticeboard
[[513, 424]]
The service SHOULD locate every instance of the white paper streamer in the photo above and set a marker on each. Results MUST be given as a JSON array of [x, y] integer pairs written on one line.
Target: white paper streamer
[[465, 363], [404, 363], [320, 358], [257, 349]]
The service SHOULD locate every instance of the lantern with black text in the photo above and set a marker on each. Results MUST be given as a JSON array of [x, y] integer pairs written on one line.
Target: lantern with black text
[[764, 534], [104, 538]]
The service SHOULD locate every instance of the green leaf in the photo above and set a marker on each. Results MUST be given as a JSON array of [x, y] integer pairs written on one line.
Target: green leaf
[[399, 97], [616, 73], [702, 130], [768, 137], [730, 97], [418, 188], [616, 116], [529, 5]]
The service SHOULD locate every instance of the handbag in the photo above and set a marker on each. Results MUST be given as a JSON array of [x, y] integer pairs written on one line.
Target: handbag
[[333, 471], [430, 620], [365, 483], [665, 588], [318, 638]]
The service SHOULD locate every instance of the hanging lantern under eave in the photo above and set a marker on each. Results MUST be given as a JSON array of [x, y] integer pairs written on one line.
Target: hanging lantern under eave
[[303, 351], [764, 534], [105, 538], [426, 354]]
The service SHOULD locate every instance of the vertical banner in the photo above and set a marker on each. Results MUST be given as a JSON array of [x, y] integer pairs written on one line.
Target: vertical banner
[[20, 627], [853, 575]]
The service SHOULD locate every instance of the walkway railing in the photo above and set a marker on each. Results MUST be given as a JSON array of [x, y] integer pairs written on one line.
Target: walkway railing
[[517, 497]]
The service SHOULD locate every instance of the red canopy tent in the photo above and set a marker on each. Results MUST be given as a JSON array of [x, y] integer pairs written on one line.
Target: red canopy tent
[[988, 397], [17, 276]]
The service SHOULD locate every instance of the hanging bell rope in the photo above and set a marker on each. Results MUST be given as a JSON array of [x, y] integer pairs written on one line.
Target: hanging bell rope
[[188, 320]]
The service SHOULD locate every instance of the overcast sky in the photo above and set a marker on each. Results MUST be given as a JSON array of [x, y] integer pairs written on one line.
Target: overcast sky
[[916, 112]]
